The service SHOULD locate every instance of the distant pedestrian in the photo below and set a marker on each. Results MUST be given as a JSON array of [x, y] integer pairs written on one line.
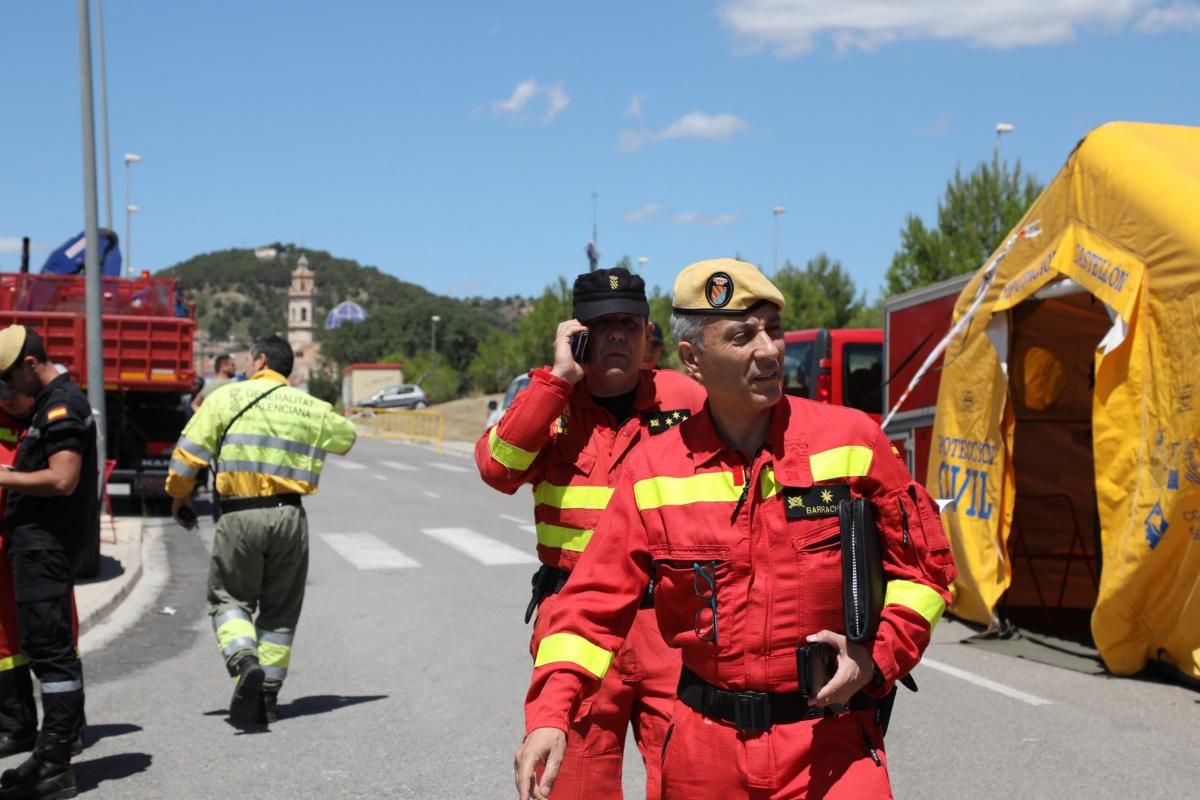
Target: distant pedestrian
[[52, 501], [225, 372], [267, 444], [654, 347]]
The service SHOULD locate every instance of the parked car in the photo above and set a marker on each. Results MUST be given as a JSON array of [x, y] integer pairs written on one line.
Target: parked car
[[496, 410], [404, 395]]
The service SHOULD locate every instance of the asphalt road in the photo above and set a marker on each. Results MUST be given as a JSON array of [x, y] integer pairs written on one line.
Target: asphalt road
[[412, 661]]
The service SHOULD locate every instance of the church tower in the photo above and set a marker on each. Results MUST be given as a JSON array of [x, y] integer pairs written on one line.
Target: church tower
[[301, 306]]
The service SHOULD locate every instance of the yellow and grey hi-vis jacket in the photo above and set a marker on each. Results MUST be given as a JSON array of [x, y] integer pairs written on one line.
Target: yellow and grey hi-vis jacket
[[277, 447]]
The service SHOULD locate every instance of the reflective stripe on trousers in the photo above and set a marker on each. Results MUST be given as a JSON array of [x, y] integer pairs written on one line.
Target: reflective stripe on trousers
[[235, 632], [274, 653]]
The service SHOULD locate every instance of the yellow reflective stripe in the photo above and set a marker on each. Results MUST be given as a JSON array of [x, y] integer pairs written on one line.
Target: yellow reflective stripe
[[851, 461], [709, 487], [274, 655], [8, 435], [768, 486], [509, 455], [919, 597], [574, 649], [589, 497], [565, 538], [235, 628], [12, 662]]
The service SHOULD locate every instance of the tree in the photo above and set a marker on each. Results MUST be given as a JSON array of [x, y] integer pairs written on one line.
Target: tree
[[535, 334], [822, 295], [496, 361], [974, 216]]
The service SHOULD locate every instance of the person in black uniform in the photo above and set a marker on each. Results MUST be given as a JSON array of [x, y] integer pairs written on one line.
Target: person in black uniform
[[52, 494]]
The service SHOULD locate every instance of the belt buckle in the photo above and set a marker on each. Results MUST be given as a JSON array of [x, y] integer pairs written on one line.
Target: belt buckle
[[751, 711]]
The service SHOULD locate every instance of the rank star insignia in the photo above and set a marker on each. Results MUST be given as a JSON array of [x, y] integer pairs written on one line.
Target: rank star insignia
[[662, 421], [826, 496], [676, 415], [653, 423]]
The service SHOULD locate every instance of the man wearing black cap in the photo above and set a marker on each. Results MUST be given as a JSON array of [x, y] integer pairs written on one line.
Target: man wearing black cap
[[52, 497], [568, 435]]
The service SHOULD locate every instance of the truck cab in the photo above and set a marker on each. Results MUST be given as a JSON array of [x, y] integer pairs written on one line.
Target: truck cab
[[842, 366]]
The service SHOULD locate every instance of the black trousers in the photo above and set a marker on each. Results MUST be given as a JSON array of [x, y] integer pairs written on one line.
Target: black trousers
[[18, 714], [43, 581]]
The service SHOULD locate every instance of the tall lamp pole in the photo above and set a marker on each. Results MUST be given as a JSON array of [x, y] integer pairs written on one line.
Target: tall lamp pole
[[130, 158], [433, 321], [1001, 129], [775, 212], [642, 262], [91, 258]]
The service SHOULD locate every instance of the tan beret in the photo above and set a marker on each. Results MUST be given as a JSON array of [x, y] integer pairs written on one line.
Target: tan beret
[[12, 340], [723, 286]]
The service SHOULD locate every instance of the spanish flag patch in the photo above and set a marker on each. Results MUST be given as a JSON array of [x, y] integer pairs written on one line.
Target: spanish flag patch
[[56, 413]]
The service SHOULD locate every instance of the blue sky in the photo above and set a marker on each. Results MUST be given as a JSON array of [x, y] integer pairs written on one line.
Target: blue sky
[[457, 145]]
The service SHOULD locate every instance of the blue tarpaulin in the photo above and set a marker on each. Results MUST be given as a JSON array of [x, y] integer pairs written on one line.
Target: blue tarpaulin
[[68, 259]]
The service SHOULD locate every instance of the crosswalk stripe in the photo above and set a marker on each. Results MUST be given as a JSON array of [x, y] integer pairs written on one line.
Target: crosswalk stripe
[[396, 465], [511, 518], [483, 549], [344, 464], [447, 467], [365, 551]]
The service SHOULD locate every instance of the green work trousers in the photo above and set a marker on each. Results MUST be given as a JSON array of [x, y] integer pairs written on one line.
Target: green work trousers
[[259, 562]]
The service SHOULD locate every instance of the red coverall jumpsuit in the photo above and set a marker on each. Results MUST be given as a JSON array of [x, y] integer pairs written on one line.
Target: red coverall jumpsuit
[[685, 503], [555, 437]]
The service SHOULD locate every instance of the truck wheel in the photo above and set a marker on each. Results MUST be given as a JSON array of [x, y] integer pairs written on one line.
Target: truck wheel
[[89, 556]]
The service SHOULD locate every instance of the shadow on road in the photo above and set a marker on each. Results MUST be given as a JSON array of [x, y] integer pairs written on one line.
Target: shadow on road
[[92, 773], [109, 568], [322, 703], [95, 733]]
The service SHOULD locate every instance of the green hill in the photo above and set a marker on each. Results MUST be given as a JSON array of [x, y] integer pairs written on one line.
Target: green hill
[[239, 296]]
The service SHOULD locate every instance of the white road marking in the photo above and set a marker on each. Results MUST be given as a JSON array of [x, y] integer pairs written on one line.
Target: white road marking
[[483, 549], [396, 465], [344, 464], [529, 529], [979, 680], [380, 477], [428, 493], [365, 551], [447, 467], [518, 520]]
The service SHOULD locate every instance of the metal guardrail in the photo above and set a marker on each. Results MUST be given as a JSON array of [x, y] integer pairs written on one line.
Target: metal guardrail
[[400, 423]]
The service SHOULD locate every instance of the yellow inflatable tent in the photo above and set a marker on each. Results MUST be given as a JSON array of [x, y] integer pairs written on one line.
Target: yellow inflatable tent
[[1068, 415]]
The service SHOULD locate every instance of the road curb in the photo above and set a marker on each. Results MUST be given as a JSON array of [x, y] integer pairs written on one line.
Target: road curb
[[98, 613]]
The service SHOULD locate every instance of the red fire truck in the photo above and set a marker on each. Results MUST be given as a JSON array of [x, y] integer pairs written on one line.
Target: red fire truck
[[148, 365], [913, 324], [842, 366]]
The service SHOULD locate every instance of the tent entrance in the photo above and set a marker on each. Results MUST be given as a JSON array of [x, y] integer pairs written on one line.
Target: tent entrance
[[1053, 543]]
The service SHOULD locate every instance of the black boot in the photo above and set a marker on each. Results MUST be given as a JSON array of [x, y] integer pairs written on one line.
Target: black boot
[[13, 742], [269, 707], [45, 775], [243, 707]]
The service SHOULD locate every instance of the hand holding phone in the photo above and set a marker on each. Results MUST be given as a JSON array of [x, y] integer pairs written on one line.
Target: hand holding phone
[[816, 663]]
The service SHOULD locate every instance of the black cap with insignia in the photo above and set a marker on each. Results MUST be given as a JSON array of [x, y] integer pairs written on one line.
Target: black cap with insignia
[[609, 291]]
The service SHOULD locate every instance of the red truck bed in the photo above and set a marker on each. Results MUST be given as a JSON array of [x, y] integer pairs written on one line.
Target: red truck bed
[[146, 347]]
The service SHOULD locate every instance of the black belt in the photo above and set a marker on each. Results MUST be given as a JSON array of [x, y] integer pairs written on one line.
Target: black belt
[[756, 711], [229, 505]]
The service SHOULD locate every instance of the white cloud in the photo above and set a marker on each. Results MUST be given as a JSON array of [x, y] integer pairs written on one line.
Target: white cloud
[[696, 218], [635, 107], [791, 28], [530, 90], [939, 127], [695, 125], [643, 214], [1176, 17]]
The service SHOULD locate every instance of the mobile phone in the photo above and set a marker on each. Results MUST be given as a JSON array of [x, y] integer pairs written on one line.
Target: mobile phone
[[187, 516], [579, 347], [816, 663]]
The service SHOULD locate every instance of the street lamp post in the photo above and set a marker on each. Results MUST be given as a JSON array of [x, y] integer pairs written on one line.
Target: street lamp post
[[775, 212], [642, 262], [130, 158], [1001, 129], [434, 320]]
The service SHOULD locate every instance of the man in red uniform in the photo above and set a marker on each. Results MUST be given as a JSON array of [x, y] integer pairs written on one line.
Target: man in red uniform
[[18, 714], [734, 515], [568, 435]]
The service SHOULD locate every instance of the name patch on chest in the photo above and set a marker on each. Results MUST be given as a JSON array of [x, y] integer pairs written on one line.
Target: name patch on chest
[[665, 420], [816, 501]]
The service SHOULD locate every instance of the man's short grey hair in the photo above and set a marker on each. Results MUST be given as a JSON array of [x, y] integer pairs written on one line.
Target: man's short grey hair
[[689, 328]]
